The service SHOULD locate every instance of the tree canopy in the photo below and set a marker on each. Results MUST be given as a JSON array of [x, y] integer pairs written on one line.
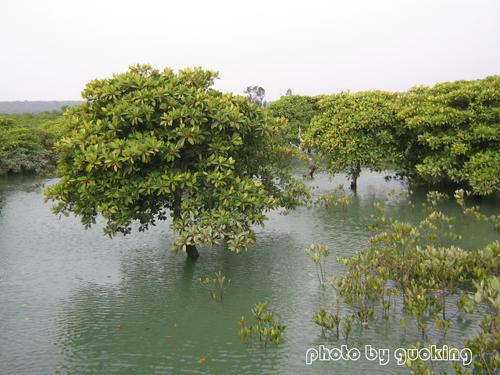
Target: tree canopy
[[26, 143], [354, 131], [451, 134], [298, 110], [147, 144]]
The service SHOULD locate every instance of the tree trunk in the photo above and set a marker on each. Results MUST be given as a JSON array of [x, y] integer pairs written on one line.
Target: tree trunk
[[355, 172], [312, 169], [191, 250], [177, 204], [444, 306], [354, 183]]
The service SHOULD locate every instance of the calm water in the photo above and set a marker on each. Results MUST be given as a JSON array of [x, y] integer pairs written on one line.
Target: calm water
[[76, 302]]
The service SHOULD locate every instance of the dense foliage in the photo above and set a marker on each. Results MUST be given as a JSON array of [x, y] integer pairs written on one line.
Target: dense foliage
[[149, 143], [354, 131], [448, 134], [451, 134], [26, 142], [298, 110]]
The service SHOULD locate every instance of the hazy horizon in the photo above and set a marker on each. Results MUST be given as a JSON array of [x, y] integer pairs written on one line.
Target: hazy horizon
[[51, 49]]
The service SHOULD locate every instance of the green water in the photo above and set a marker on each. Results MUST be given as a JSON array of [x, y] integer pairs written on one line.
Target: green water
[[76, 302]]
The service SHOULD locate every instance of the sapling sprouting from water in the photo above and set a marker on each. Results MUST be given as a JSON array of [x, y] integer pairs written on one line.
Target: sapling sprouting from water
[[265, 326], [329, 316], [324, 319], [215, 285], [444, 269], [484, 346], [419, 304], [318, 254], [327, 321], [347, 326], [362, 286], [419, 265]]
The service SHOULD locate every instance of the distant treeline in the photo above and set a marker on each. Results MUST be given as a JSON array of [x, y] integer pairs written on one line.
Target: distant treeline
[[445, 135], [27, 142], [35, 106]]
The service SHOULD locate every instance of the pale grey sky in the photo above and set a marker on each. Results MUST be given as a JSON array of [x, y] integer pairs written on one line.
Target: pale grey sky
[[51, 48]]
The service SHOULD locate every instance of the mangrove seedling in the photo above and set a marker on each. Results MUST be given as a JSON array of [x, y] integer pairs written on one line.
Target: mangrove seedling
[[318, 254], [265, 326], [327, 321], [215, 285], [347, 326]]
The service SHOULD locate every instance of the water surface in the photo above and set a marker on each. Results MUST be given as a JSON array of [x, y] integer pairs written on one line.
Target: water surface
[[73, 301]]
